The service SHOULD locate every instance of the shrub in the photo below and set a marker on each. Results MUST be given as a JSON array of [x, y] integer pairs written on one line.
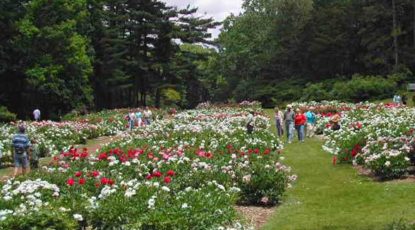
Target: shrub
[[363, 88], [6, 115], [43, 219], [316, 92]]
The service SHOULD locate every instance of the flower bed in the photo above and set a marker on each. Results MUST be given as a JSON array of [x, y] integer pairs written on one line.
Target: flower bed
[[52, 137], [183, 173], [379, 137]]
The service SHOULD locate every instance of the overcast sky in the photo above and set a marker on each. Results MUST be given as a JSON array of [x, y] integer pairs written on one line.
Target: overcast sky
[[218, 9]]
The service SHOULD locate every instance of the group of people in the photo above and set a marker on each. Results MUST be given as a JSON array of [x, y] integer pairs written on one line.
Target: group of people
[[139, 118], [291, 121], [398, 100]]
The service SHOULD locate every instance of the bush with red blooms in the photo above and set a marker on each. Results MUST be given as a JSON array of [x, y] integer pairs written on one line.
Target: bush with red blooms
[[164, 175]]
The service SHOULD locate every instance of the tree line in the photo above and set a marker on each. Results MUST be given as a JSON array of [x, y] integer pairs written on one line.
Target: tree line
[[277, 48], [60, 55]]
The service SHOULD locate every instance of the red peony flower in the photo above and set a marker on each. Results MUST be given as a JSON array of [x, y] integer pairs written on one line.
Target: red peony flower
[[167, 179], [82, 181], [157, 174], [70, 182], [103, 156], [149, 177], [78, 174], [111, 182], [95, 173], [209, 155], [171, 173], [104, 181], [267, 151]]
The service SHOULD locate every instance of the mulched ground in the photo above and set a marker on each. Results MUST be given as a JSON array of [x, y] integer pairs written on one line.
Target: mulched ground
[[256, 216], [366, 172]]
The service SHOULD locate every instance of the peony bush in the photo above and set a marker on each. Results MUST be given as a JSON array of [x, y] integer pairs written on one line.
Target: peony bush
[[186, 172], [379, 137]]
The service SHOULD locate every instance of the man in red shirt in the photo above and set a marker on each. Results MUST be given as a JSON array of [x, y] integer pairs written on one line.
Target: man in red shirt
[[300, 120]]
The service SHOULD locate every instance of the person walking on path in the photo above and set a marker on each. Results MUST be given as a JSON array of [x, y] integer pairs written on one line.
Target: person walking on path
[[36, 114], [300, 121], [250, 122], [289, 116], [279, 117], [311, 122], [21, 145]]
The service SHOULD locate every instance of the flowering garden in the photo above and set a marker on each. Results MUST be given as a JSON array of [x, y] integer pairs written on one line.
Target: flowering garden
[[188, 171], [379, 137]]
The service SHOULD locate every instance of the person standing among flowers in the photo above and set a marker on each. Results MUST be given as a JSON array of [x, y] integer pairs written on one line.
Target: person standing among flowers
[[131, 120], [34, 155], [147, 116], [250, 122], [21, 145], [335, 122], [397, 99], [36, 114], [279, 117], [300, 121], [139, 117], [289, 117], [311, 122]]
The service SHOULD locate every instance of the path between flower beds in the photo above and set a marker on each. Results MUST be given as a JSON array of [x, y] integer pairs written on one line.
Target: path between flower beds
[[337, 197], [92, 145]]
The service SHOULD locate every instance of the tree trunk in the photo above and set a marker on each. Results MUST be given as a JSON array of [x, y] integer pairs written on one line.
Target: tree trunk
[[395, 34]]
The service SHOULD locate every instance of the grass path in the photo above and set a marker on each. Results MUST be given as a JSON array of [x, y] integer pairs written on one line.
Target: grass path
[[337, 197]]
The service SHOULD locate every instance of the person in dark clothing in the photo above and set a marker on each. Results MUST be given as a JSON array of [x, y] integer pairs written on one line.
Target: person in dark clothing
[[404, 99], [250, 122]]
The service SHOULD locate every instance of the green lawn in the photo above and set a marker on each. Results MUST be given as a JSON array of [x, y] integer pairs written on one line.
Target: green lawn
[[336, 197]]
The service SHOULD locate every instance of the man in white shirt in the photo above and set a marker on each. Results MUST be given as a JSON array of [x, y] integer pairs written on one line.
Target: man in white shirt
[[36, 114]]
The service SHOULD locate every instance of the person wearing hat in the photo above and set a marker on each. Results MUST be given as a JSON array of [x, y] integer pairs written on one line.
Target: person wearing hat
[[335, 122], [289, 123], [21, 145], [300, 120]]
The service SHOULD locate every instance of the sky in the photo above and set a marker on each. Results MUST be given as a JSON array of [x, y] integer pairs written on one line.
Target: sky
[[218, 9]]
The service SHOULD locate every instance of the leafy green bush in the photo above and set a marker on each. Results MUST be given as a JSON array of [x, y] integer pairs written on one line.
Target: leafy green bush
[[362, 88], [43, 219], [6, 115], [316, 92]]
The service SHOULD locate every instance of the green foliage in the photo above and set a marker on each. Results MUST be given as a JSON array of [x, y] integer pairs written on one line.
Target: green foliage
[[400, 225], [316, 92], [6, 115], [362, 88], [171, 96], [43, 219]]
